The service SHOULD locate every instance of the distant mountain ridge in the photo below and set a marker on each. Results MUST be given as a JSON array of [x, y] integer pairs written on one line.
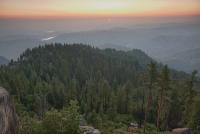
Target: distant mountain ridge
[[168, 43], [3, 60], [162, 42], [187, 60]]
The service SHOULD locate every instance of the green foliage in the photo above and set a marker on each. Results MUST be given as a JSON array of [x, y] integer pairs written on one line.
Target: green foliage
[[163, 99], [53, 123], [65, 121], [111, 87], [189, 95], [30, 125], [195, 118]]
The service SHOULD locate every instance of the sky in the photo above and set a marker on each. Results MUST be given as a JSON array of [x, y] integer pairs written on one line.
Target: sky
[[59, 8]]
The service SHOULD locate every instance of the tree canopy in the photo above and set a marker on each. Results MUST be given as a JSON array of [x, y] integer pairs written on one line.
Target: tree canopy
[[107, 84]]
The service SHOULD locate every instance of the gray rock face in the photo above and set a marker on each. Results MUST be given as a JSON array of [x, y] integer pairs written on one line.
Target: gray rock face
[[8, 117]]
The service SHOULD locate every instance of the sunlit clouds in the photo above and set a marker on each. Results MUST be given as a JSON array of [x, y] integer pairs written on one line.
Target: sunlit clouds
[[29, 8]]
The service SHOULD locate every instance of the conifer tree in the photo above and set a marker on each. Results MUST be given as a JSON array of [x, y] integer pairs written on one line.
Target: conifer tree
[[189, 96], [162, 95], [152, 73]]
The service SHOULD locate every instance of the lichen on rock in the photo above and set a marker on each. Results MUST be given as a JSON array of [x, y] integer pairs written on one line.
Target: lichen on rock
[[8, 117]]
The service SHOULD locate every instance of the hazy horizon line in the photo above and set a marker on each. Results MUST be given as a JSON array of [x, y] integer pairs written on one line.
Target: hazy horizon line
[[96, 16]]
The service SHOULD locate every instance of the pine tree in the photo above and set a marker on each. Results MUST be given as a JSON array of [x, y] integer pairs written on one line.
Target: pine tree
[[152, 72], [189, 96], [162, 95]]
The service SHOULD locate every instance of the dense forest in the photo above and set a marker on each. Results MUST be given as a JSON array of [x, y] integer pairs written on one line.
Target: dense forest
[[57, 87]]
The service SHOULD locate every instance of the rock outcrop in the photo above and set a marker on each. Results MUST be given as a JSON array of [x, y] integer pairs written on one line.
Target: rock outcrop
[[8, 117], [89, 130], [181, 131]]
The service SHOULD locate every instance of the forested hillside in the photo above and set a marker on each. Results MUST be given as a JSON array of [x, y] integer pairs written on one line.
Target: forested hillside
[[55, 86]]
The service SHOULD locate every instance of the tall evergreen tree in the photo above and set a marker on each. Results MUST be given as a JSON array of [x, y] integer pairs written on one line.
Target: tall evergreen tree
[[162, 96], [152, 73], [189, 96]]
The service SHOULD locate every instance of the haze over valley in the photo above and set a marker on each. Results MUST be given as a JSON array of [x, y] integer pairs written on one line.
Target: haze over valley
[[173, 41], [99, 67]]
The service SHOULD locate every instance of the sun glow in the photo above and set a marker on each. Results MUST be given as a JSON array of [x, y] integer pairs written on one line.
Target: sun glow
[[98, 7], [111, 5]]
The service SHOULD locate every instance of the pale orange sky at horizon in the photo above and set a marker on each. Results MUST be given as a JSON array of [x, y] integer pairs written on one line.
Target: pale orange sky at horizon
[[59, 8]]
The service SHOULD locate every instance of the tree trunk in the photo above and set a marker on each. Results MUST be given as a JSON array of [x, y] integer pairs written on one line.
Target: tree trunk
[[159, 110], [147, 108]]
